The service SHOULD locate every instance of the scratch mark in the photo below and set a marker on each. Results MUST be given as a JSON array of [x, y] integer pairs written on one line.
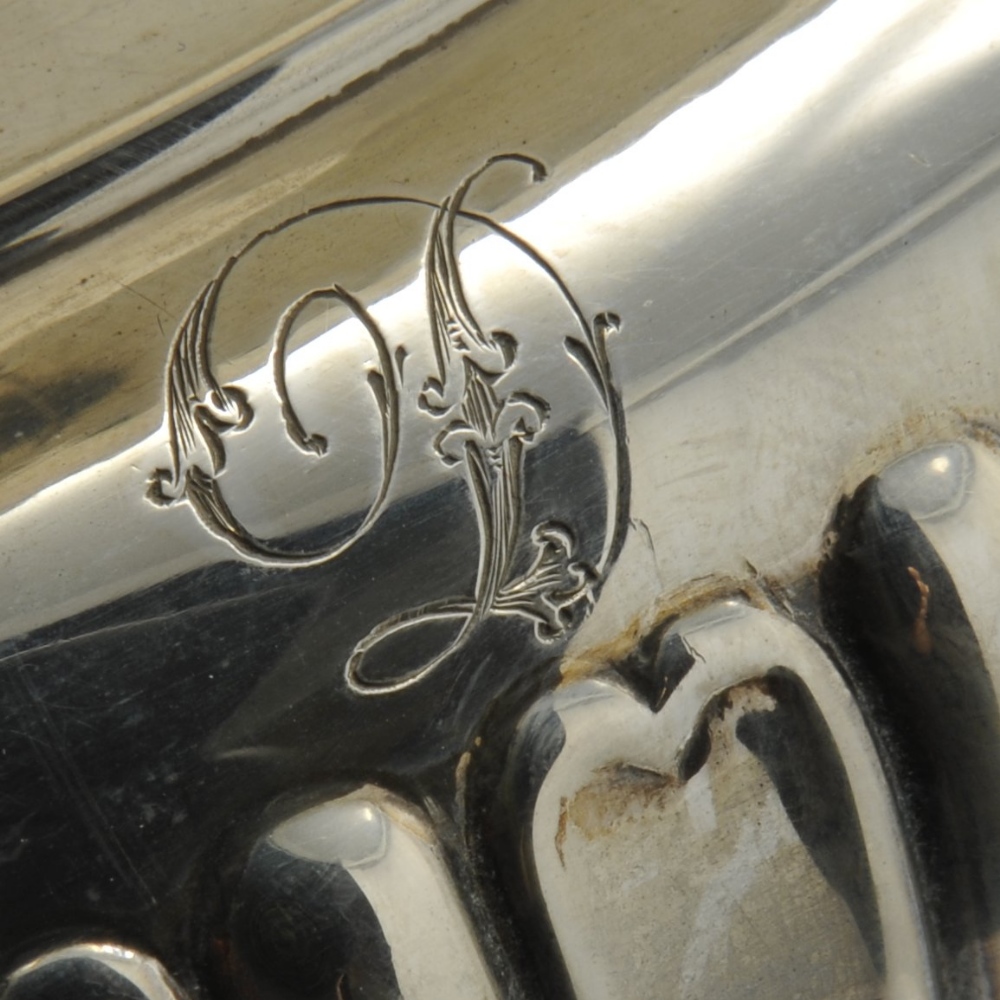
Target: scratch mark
[[14, 836], [145, 298], [694, 652], [56, 757], [641, 525]]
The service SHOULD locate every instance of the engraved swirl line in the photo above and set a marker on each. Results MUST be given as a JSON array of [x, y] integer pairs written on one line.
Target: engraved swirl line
[[485, 432]]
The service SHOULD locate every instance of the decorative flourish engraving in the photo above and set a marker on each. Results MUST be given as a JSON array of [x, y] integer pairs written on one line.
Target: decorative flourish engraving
[[199, 411], [485, 431]]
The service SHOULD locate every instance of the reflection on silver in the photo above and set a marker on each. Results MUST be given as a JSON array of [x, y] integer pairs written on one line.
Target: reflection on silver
[[931, 483], [685, 841], [91, 972], [394, 450], [350, 832], [307, 62], [354, 894]]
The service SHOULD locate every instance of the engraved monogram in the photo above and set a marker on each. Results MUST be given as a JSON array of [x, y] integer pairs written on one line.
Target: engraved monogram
[[485, 429]]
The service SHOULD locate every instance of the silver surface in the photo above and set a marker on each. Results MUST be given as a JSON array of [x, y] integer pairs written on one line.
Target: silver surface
[[94, 970], [519, 476], [676, 820]]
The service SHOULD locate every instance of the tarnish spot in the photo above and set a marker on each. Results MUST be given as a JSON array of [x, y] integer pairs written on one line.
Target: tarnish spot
[[619, 795], [561, 829], [923, 641]]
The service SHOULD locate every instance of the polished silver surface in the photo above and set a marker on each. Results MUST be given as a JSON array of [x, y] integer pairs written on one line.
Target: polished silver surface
[[91, 970], [501, 499], [353, 897]]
